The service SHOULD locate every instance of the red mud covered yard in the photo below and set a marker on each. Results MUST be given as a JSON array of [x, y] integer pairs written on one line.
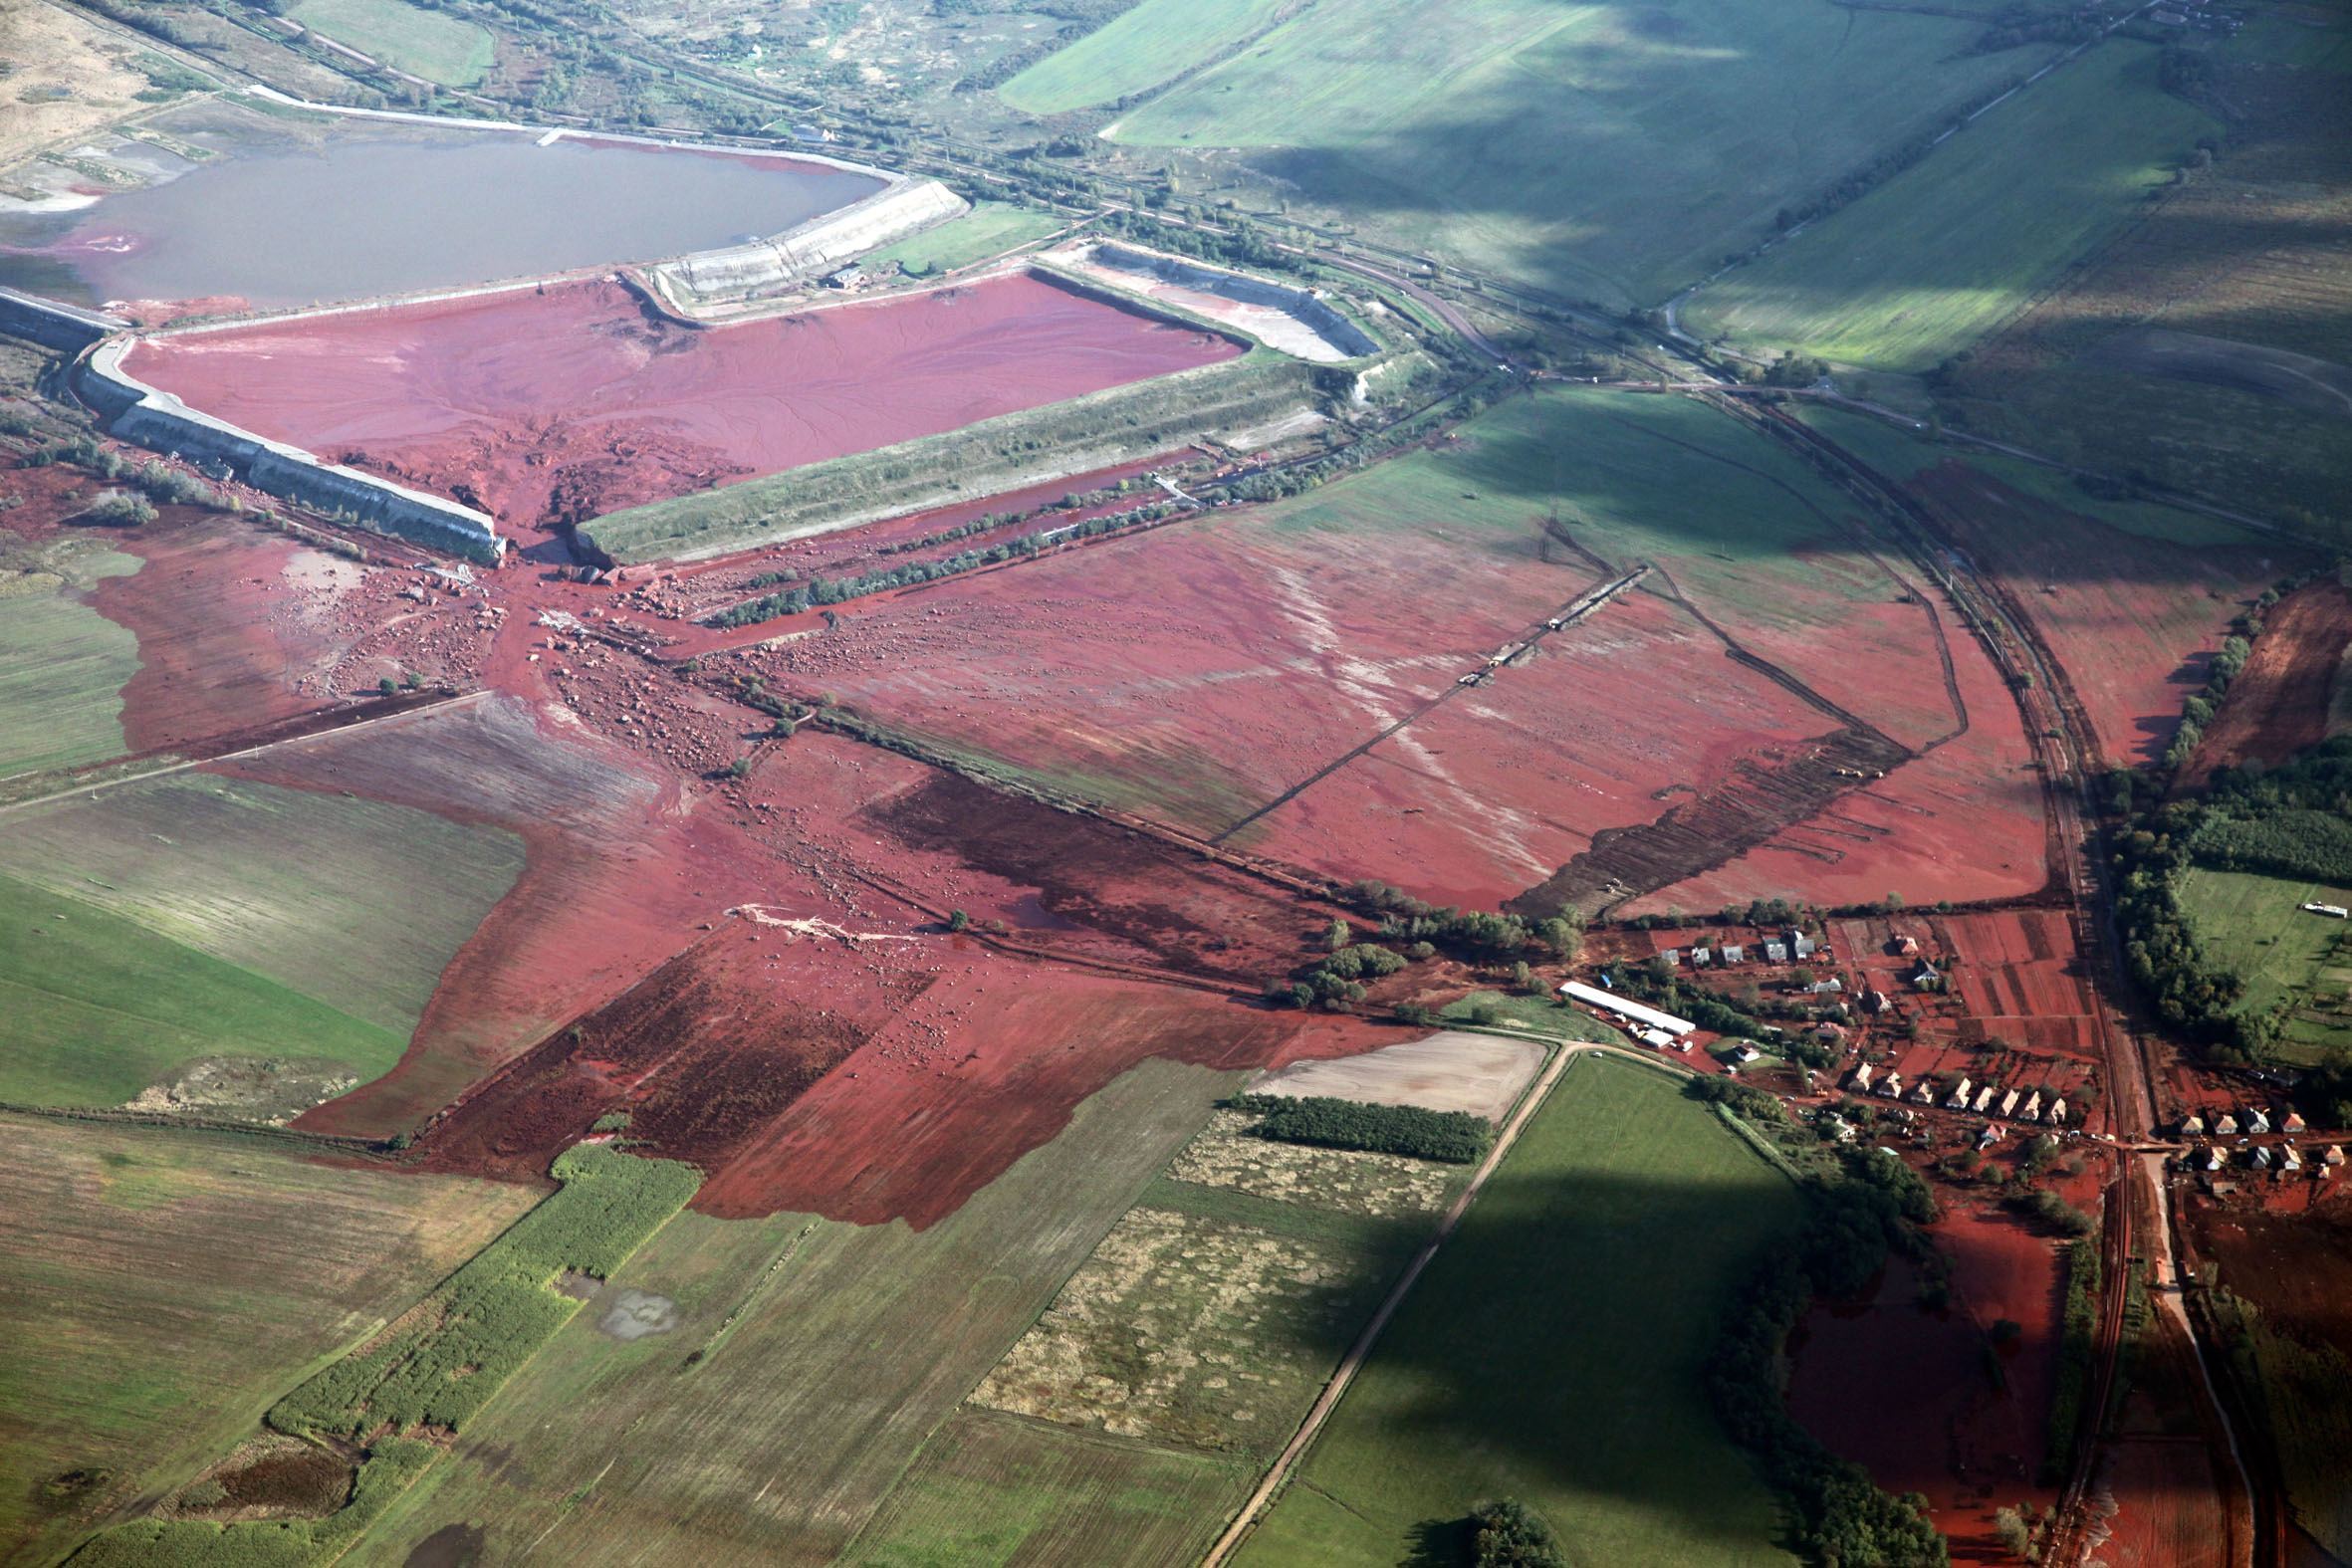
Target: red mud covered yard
[[1173, 785]]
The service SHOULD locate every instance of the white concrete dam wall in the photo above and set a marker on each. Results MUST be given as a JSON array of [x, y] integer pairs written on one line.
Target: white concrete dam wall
[[160, 421], [808, 252]]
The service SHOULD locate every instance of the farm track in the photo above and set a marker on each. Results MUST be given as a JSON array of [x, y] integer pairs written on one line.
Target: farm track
[[257, 741]]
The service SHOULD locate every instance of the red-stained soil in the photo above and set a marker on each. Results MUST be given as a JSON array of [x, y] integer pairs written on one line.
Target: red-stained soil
[[1964, 822], [987, 1064], [2284, 700], [1911, 1395], [1511, 782], [622, 863], [236, 628], [1192, 673], [2134, 620], [557, 406]]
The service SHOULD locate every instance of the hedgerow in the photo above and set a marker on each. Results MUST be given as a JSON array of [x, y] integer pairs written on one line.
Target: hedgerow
[[1456, 1137], [448, 1355]]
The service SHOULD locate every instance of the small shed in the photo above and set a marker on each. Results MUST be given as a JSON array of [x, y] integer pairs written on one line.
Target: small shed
[[1907, 947], [2334, 1154], [2213, 1157], [1877, 1002]]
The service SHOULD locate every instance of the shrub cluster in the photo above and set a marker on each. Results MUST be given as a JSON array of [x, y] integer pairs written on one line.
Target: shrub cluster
[[1455, 1137], [2084, 1282]]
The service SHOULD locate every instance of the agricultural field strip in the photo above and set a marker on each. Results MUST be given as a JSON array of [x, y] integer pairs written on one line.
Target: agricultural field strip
[[1563, 1056], [1574, 613]]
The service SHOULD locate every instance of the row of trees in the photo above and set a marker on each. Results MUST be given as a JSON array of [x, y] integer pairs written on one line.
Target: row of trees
[[1455, 1137], [1854, 1215]]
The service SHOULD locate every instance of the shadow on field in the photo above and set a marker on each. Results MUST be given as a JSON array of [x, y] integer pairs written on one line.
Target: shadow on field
[[1556, 1351]]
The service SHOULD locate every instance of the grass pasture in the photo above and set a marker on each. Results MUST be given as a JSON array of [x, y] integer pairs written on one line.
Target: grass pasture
[[163, 1287], [1607, 151], [990, 229], [428, 44], [62, 668], [100, 1007], [1154, 42], [1553, 1350], [355, 903], [2255, 925], [991, 1488], [1947, 250]]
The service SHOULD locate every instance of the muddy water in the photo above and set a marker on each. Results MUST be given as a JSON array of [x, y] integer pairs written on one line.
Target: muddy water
[[364, 216]]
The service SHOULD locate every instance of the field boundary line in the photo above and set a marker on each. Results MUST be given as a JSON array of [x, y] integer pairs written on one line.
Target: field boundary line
[[184, 764], [1361, 1351]]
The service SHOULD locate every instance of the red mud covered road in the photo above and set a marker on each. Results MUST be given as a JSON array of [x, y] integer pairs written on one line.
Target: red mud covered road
[[557, 406]]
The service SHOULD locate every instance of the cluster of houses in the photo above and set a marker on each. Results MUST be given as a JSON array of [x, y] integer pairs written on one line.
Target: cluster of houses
[[2283, 1159], [2253, 1121], [1790, 947], [1985, 1099]]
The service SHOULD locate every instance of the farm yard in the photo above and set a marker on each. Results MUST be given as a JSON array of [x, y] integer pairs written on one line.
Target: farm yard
[[2255, 927]]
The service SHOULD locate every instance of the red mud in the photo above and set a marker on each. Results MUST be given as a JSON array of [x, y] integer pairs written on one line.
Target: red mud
[[557, 406], [1614, 722], [2133, 620], [1964, 822], [988, 1064], [236, 628], [2281, 703], [622, 862], [1908, 1394]]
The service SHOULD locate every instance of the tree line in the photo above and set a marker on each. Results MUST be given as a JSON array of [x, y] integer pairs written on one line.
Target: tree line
[[1454, 1137]]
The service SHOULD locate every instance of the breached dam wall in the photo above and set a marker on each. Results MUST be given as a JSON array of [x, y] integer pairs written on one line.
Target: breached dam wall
[[155, 419], [52, 324], [803, 254]]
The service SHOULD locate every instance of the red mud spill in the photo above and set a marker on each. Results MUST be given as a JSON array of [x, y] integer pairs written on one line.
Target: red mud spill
[[236, 628], [557, 406], [2284, 701], [1913, 1396], [622, 862]]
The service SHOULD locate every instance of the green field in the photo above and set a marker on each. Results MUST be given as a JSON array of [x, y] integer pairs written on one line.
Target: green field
[[1608, 152], [99, 1008], [1946, 251], [359, 904], [62, 667], [993, 1488], [832, 1354], [163, 1287], [2255, 927], [1553, 1350], [1156, 41], [1900, 455], [443, 49], [990, 229]]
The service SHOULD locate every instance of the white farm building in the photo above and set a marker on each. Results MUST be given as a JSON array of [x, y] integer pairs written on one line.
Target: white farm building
[[1624, 1008]]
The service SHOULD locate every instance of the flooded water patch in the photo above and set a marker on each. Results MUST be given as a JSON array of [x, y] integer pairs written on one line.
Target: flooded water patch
[[361, 214]]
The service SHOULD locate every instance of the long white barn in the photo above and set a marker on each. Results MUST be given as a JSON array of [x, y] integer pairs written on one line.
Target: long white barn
[[1611, 1002]]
